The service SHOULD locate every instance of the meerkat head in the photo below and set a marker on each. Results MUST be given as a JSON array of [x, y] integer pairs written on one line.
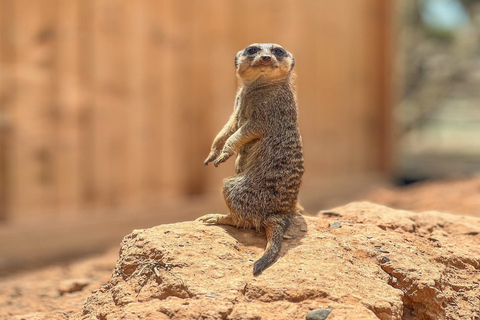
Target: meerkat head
[[265, 61]]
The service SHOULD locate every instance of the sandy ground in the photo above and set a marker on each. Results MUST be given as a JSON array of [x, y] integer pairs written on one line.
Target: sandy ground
[[452, 196]]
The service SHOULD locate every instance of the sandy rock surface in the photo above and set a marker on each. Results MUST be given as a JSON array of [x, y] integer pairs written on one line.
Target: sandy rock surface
[[379, 263]]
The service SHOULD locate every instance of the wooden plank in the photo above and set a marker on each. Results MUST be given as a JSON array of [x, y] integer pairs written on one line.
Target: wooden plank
[[110, 117], [7, 97], [67, 90], [292, 24], [168, 117], [184, 11], [387, 84], [177, 102], [220, 56], [86, 122], [371, 117], [360, 83], [323, 77], [369, 85], [153, 95], [204, 57], [135, 38], [342, 108], [259, 26], [313, 67], [35, 115], [241, 22]]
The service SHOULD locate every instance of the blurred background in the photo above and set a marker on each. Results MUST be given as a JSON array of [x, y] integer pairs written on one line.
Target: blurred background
[[109, 107]]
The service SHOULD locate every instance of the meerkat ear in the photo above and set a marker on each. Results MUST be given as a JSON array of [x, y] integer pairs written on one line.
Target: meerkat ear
[[293, 63]]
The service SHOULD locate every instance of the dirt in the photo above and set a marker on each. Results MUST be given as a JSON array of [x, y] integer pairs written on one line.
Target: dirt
[[362, 261], [461, 196], [54, 292]]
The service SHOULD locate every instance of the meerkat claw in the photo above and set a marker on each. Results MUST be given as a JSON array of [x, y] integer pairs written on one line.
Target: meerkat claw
[[222, 158], [212, 156]]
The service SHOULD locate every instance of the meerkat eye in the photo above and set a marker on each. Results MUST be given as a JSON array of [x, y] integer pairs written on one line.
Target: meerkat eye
[[279, 52], [252, 50]]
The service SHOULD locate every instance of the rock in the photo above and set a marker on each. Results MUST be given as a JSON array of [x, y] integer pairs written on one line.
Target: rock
[[318, 314], [335, 225], [379, 265], [73, 285]]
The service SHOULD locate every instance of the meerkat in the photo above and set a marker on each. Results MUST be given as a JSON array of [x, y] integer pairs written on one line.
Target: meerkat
[[263, 131]]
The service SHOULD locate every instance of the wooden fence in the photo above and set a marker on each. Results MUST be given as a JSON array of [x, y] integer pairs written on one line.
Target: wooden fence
[[105, 103]]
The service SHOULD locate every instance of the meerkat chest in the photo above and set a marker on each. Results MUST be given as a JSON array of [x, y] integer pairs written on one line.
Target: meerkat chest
[[244, 111]]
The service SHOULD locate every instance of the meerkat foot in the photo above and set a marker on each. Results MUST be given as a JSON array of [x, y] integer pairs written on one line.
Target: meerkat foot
[[217, 218]]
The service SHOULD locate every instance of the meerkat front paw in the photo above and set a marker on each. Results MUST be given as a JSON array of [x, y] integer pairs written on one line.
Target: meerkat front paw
[[212, 156]]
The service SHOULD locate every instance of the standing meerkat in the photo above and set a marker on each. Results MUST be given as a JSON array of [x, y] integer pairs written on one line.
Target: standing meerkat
[[263, 131]]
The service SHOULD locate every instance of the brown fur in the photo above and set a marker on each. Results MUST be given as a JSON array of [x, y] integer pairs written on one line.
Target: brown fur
[[263, 131]]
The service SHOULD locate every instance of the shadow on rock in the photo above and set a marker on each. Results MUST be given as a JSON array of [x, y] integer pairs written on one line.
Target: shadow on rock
[[252, 238]]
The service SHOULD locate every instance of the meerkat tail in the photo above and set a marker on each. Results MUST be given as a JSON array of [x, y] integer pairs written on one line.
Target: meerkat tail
[[275, 227]]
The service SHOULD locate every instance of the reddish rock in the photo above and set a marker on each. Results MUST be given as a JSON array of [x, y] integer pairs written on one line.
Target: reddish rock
[[381, 264], [72, 285]]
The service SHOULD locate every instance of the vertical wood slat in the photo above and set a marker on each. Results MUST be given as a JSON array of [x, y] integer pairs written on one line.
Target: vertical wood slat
[[136, 45], [153, 98], [86, 122], [201, 74], [7, 93], [183, 12], [219, 101], [386, 85], [171, 130], [121, 99], [174, 90], [360, 83], [111, 123], [87, 133], [35, 113], [67, 148], [326, 144]]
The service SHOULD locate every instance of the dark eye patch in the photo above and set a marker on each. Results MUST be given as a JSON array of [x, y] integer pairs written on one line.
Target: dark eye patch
[[279, 52], [252, 50]]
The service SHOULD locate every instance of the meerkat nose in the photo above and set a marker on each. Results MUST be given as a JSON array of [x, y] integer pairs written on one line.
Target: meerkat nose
[[266, 58]]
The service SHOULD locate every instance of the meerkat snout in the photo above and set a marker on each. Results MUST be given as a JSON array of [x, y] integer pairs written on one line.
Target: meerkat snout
[[266, 58]]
